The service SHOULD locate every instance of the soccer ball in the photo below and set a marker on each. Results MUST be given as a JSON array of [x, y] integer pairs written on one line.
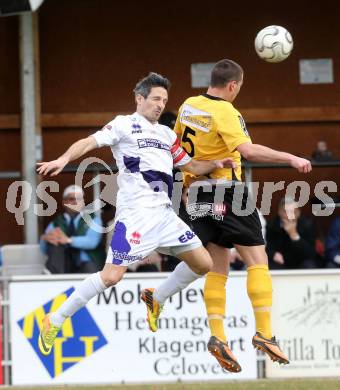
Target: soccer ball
[[273, 43]]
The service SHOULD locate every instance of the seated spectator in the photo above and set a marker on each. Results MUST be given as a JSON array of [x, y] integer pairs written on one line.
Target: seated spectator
[[333, 244], [322, 153], [70, 244], [290, 238]]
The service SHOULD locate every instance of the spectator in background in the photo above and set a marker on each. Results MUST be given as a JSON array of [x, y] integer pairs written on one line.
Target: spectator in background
[[322, 153], [168, 118], [333, 244], [291, 238], [70, 244]]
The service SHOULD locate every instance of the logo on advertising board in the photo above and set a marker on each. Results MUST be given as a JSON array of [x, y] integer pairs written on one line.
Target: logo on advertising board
[[78, 338], [320, 306]]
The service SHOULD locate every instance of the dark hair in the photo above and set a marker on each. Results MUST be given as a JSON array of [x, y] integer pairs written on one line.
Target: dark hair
[[225, 71], [143, 87], [168, 118]]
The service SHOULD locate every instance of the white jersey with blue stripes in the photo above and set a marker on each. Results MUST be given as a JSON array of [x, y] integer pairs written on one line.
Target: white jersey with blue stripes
[[145, 155]]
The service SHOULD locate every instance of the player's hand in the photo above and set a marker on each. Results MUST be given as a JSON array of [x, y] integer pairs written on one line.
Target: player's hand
[[278, 258], [290, 227], [51, 237], [226, 163], [63, 238], [301, 164], [51, 167]]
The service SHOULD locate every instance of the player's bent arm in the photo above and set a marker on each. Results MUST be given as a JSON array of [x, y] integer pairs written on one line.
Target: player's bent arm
[[260, 153], [75, 151], [198, 168]]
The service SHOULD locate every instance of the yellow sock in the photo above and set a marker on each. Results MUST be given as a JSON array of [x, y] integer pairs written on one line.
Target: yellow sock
[[215, 303], [259, 288]]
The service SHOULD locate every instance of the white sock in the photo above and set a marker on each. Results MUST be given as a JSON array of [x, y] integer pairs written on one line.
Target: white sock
[[179, 278], [89, 288]]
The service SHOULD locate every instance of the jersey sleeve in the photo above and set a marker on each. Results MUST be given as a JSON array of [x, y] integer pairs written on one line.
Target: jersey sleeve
[[179, 155], [178, 128], [108, 135], [233, 130]]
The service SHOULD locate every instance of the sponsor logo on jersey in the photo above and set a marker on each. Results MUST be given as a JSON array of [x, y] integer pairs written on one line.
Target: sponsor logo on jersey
[[219, 209], [78, 338], [137, 128], [187, 236], [125, 257], [152, 143], [135, 238], [204, 209], [195, 118]]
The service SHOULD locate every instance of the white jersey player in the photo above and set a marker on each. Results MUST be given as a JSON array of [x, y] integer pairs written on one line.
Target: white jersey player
[[145, 153]]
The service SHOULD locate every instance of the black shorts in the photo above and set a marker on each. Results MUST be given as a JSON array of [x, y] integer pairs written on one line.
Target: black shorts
[[214, 214]]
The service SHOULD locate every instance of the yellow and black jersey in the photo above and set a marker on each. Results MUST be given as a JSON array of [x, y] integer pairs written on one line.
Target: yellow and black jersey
[[210, 128]]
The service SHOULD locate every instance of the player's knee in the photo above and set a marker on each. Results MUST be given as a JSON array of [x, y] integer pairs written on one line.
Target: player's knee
[[110, 279], [204, 266], [257, 258]]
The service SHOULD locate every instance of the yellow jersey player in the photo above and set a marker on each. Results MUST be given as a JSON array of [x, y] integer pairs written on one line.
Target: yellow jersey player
[[209, 128]]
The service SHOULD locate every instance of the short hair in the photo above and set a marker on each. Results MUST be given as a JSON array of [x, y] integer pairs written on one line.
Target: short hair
[[225, 71], [144, 86], [73, 188]]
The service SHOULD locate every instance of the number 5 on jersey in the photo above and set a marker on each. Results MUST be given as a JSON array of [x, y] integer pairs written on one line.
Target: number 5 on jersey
[[187, 139]]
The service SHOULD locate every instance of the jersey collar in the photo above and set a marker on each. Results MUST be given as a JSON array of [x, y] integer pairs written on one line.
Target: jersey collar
[[213, 97], [142, 118]]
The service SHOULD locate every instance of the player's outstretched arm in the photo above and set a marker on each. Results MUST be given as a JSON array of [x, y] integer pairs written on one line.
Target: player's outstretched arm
[[260, 153], [198, 167], [75, 151]]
